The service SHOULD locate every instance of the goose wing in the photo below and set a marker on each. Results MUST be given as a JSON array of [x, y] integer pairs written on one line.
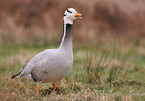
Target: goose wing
[[36, 60]]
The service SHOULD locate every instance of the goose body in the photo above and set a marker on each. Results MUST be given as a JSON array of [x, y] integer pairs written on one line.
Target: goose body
[[53, 65]]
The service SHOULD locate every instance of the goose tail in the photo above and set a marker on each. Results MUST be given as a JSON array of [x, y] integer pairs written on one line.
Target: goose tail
[[18, 75]]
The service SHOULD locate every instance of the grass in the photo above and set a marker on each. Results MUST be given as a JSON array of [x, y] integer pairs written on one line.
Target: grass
[[97, 74]]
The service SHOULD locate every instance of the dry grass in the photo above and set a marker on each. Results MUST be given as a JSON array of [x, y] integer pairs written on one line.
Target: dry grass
[[16, 90], [12, 90], [95, 76]]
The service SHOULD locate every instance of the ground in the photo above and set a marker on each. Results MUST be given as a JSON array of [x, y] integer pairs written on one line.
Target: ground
[[105, 72]]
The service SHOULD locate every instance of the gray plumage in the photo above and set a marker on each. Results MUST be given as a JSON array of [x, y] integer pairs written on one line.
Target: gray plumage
[[52, 65]]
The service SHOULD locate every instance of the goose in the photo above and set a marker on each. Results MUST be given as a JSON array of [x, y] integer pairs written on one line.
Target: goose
[[52, 65]]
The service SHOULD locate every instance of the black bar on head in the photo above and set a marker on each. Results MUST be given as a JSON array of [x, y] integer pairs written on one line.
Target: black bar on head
[[64, 14], [69, 11]]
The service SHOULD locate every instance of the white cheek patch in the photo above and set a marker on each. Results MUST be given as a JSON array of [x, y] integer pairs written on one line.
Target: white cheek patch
[[68, 20]]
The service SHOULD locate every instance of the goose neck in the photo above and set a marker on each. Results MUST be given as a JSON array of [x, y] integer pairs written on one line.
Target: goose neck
[[67, 37]]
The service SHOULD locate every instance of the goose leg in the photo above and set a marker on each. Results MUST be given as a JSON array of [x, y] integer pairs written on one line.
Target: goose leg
[[38, 87], [54, 86]]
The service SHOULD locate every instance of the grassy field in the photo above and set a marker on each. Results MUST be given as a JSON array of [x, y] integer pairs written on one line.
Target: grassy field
[[101, 72]]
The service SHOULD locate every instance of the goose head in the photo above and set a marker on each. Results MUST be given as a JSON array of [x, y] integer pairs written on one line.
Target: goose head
[[70, 15]]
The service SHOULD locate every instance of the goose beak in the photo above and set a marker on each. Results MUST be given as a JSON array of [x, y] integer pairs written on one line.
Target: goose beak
[[78, 15]]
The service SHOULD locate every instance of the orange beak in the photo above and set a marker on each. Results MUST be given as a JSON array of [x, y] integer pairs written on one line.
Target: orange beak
[[78, 15]]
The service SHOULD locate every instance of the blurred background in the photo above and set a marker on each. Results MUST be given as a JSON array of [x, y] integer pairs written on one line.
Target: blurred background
[[41, 22]]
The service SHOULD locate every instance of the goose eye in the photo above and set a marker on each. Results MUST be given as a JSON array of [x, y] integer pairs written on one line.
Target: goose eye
[[69, 11]]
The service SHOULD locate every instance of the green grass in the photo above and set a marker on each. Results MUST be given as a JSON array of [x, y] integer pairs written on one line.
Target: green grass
[[97, 74]]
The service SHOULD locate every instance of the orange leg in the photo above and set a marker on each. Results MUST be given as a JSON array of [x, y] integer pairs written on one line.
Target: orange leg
[[54, 87], [38, 87]]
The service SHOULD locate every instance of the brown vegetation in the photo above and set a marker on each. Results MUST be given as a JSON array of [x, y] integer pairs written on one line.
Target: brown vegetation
[[23, 20]]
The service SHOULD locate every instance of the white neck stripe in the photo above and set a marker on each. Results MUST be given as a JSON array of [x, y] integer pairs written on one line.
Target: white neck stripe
[[66, 21], [63, 34]]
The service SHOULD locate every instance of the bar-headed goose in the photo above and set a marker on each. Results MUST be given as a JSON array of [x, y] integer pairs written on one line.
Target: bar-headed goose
[[53, 65]]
